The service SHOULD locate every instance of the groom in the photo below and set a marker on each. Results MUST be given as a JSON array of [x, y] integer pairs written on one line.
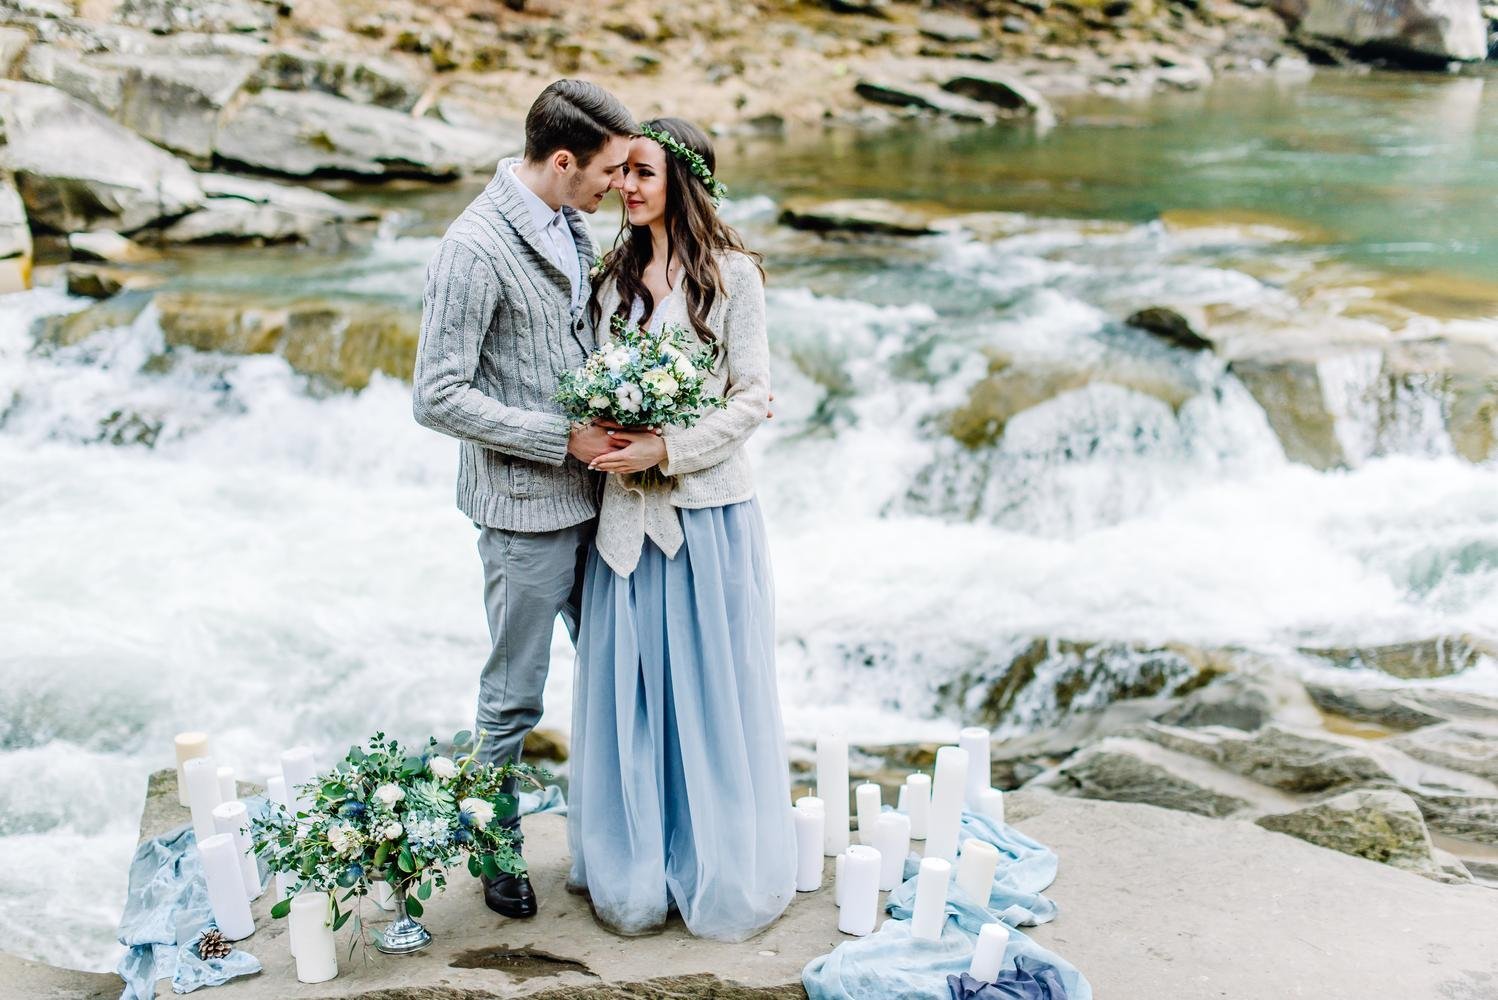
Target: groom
[[502, 318]]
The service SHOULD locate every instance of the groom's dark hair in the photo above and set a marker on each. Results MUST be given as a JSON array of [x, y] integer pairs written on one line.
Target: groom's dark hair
[[576, 116]]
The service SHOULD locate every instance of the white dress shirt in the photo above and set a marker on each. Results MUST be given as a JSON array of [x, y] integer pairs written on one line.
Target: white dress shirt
[[556, 237]]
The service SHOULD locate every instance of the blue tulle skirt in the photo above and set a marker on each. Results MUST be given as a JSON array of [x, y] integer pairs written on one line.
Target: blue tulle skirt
[[680, 794]]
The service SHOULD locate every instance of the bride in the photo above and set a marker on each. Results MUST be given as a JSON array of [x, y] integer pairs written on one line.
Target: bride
[[680, 795]]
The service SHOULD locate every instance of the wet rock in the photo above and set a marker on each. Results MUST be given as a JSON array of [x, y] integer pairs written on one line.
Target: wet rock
[[169, 16], [102, 244], [546, 744], [76, 169], [73, 328], [241, 208], [1381, 825], [1010, 95], [1462, 813], [1242, 701], [1403, 708], [925, 97], [362, 79], [1127, 770], [947, 27], [100, 282], [874, 8], [1278, 757], [1471, 747], [15, 239], [1170, 326], [1425, 658], [1306, 400], [305, 133], [856, 215], [1422, 32]]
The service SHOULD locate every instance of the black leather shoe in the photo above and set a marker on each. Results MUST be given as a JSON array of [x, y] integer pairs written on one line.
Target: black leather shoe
[[509, 895]]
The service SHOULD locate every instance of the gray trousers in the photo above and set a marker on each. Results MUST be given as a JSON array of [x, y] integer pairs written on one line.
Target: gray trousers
[[529, 579]]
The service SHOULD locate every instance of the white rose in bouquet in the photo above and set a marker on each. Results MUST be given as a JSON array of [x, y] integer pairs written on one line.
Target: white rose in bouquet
[[389, 795], [392, 831], [344, 838], [443, 767], [480, 811], [660, 382]]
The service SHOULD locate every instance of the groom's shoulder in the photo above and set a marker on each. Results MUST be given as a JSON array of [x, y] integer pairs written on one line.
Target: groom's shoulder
[[482, 231]]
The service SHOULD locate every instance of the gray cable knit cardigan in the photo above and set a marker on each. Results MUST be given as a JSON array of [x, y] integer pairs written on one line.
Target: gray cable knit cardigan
[[496, 332]]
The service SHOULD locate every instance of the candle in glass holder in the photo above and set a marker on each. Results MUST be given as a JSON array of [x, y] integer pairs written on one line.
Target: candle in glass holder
[[809, 841], [226, 895], [948, 791], [832, 789], [988, 954], [233, 819], [201, 774], [979, 747], [917, 806], [930, 911], [892, 841], [975, 869], [866, 797], [861, 894], [312, 940], [188, 746]]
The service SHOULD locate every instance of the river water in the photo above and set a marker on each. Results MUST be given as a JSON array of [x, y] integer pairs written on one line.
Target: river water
[[285, 564]]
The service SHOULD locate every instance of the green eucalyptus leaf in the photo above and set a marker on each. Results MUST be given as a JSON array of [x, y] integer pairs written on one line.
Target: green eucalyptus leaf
[[424, 890], [342, 919], [406, 862], [412, 906], [281, 909]]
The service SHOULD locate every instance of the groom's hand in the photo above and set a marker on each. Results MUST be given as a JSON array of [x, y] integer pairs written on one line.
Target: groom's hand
[[588, 442]]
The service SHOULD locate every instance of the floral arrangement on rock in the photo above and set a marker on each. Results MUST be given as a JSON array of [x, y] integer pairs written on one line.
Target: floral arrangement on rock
[[640, 379], [384, 814]]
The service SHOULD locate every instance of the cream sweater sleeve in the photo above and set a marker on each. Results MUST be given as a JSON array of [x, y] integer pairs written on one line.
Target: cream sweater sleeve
[[746, 353]]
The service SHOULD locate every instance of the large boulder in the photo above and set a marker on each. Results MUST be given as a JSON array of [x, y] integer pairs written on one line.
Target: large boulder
[[1415, 660], [15, 239], [1462, 746], [1314, 403], [1129, 770], [170, 16], [1243, 701], [76, 169], [242, 208], [305, 133], [364, 80], [1011, 96], [873, 216], [1421, 31], [925, 97], [1378, 824], [1279, 757]]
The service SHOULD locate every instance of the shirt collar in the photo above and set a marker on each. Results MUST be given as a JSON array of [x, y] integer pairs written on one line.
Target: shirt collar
[[543, 214]]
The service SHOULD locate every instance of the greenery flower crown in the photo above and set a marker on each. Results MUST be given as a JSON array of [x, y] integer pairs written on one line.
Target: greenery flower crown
[[693, 159]]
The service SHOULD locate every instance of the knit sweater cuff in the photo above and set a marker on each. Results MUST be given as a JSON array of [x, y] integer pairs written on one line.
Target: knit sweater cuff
[[551, 433]]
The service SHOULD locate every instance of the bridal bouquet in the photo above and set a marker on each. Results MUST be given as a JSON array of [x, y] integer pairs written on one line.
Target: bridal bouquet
[[640, 379], [384, 814]]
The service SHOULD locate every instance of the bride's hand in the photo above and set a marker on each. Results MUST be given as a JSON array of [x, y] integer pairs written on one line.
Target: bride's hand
[[644, 450]]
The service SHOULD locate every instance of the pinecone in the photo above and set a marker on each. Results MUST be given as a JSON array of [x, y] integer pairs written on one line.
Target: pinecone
[[211, 945]]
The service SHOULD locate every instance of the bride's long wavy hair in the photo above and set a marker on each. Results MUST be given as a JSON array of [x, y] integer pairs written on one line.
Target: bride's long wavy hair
[[695, 235]]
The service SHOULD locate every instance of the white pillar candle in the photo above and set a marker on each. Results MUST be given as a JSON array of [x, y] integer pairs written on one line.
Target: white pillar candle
[[189, 745], [226, 895], [202, 794], [917, 791], [382, 895], [299, 768], [975, 869], [930, 912], [988, 955], [991, 804], [227, 790], [948, 789], [312, 939], [234, 819], [838, 883], [866, 797], [892, 841], [832, 789], [811, 802], [979, 762], [861, 895], [809, 840]]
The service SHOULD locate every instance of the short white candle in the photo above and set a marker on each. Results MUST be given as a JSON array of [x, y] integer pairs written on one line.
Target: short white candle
[[234, 819], [892, 841], [299, 768], [809, 840], [979, 748], [226, 895], [312, 939], [918, 804], [930, 912], [838, 884], [991, 804], [975, 869], [832, 789], [867, 798], [202, 794], [861, 895], [988, 955], [948, 791], [188, 745], [811, 802], [227, 790]]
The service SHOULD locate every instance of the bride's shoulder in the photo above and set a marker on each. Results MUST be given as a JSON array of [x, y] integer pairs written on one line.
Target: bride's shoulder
[[738, 268]]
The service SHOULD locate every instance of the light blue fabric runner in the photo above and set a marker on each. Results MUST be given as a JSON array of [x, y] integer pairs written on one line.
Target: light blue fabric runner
[[168, 903], [891, 964]]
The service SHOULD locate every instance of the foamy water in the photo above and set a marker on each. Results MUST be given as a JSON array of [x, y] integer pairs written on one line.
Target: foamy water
[[285, 565]]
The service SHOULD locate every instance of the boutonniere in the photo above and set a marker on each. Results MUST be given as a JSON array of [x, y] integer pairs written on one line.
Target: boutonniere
[[597, 268]]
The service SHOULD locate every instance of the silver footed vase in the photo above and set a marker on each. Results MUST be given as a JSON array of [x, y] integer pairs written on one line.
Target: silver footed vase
[[405, 934]]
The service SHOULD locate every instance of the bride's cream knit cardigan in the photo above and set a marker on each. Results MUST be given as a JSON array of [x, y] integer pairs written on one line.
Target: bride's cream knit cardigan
[[705, 464]]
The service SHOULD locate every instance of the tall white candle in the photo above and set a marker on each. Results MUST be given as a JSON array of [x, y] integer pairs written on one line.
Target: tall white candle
[[918, 804], [948, 789], [202, 794], [861, 895], [838, 882], [930, 912], [975, 869], [234, 819], [298, 768], [991, 804], [312, 939], [188, 746], [988, 955], [832, 789], [892, 841], [979, 748], [809, 823], [227, 790], [866, 796], [226, 895]]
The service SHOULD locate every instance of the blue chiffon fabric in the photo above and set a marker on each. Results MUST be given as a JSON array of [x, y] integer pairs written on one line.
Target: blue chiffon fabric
[[680, 790]]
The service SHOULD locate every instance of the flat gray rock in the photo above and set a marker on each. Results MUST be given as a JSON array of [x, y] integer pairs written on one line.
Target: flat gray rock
[[1377, 824]]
